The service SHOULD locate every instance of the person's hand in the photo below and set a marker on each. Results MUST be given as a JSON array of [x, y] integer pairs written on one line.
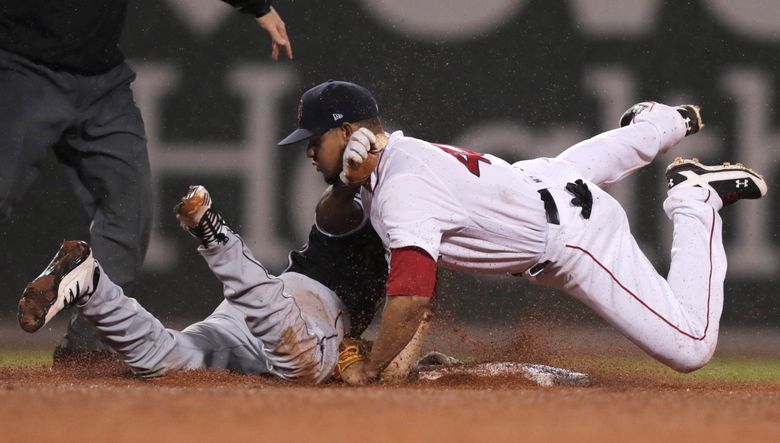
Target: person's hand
[[357, 375], [360, 157], [351, 367], [272, 23]]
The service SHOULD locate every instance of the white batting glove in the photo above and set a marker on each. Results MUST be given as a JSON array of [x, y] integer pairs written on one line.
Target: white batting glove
[[360, 144]]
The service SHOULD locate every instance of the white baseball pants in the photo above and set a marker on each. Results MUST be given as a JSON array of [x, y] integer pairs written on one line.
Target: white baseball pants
[[674, 319]]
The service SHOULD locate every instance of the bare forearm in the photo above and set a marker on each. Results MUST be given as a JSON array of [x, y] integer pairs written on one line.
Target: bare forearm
[[400, 320], [337, 211]]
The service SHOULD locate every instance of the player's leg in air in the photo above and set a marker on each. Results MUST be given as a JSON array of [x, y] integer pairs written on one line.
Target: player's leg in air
[[597, 260], [646, 130], [298, 321], [259, 328]]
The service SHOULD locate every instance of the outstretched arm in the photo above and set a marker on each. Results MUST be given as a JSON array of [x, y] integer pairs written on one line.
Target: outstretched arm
[[410, 289], [401, 318], [268, 19]]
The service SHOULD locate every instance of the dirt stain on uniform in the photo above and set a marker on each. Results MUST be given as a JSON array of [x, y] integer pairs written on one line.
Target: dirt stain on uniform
[[301, 352]]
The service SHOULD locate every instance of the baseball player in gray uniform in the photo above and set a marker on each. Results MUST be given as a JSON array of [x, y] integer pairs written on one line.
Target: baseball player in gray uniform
[[290, 326], [546, 219]]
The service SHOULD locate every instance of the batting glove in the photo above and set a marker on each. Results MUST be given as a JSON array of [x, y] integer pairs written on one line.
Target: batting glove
[[361, 143]]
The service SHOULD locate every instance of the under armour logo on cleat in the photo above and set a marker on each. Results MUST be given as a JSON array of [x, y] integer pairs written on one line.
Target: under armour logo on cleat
[[671, 183], [742, 183], [687, 124]]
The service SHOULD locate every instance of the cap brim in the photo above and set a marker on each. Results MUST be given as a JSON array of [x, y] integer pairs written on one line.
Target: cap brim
[[296, 136]]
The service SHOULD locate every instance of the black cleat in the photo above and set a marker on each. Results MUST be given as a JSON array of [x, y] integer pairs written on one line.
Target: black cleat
[[691, 114], [730, 182], [197, 217]]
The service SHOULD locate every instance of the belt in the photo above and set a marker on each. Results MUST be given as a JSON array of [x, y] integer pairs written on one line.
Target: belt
[[551, 212], [582, 198], [550, 208]]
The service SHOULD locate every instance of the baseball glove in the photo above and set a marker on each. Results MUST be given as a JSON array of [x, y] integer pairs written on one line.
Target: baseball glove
[[351, 351]]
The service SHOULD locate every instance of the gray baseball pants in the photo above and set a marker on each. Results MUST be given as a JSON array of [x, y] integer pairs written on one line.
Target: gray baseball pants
[[288, 326]]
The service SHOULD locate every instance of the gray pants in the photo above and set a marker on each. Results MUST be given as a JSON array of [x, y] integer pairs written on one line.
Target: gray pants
[[97, 133], [288, 326]]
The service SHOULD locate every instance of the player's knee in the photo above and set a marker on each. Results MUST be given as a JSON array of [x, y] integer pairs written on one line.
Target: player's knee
[[692, 359]]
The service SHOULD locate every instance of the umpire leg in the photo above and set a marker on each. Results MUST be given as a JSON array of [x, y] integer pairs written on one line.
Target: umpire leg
[[107, 162], [33, 115]]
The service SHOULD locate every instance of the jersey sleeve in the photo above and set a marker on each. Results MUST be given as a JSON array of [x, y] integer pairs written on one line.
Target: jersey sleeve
[[257, 8], [412, 272], [410, 215]]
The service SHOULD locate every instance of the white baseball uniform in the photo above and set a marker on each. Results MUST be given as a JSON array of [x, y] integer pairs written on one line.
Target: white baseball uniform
[[477, 212]]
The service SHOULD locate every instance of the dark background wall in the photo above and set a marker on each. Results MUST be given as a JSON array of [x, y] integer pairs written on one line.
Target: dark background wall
[[517, 78]]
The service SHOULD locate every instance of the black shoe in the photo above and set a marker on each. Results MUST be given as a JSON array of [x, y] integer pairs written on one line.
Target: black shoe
[[690, 113], [730, 182], [72, 275], [692, 116], [197, 217]]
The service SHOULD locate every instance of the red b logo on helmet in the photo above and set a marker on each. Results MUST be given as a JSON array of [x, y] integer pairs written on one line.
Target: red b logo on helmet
[[300, 111]]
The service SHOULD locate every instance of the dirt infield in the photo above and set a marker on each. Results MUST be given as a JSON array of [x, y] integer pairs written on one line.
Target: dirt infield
[[631, 398], [107, 404]]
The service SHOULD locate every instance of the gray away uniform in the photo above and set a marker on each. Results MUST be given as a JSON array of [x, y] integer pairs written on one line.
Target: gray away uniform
[[288, 326]]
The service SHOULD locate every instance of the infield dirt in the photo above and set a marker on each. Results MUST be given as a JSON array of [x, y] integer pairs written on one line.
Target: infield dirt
[[631, 399], [106, 403]]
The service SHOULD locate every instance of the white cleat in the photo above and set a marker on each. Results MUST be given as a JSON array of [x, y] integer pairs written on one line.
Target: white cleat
[[691, 115], [72, 275]]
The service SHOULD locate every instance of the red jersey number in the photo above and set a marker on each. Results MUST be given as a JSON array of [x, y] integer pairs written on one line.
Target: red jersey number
[[469, 159]]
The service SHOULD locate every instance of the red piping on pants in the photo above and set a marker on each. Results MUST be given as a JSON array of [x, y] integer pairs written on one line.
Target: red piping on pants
[[636, 297]]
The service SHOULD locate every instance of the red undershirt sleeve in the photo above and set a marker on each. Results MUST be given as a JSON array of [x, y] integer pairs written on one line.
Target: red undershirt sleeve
[[412, 272]]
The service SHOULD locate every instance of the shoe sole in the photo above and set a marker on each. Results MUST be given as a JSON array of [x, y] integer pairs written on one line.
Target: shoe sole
[[679, 161], [40, 301], [197, 198], [724, 168]]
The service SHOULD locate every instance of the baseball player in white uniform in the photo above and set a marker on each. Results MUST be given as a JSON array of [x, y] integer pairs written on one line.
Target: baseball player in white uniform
[[546, 219], [290, 326]]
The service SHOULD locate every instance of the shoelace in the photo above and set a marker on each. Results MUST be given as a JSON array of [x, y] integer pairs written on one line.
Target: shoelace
[[209, 228]]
